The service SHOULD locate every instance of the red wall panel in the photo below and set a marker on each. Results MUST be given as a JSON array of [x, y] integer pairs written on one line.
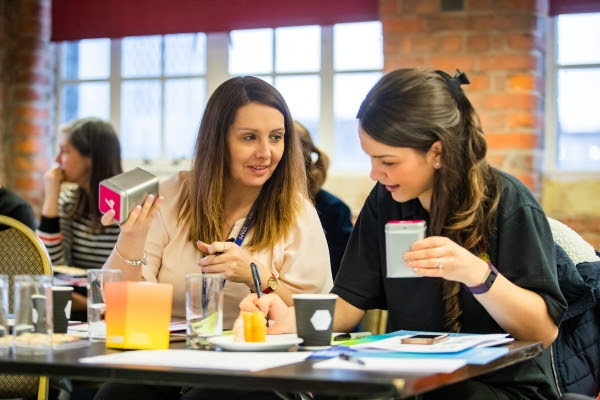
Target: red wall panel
[[573, 6], [73, 20]]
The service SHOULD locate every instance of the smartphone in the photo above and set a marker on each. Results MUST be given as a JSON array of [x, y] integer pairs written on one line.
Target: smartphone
[[399, 236], [425, 338]]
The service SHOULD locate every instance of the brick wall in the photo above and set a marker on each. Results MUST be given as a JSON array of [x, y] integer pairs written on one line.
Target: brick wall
[[500, 44], [27, 100]]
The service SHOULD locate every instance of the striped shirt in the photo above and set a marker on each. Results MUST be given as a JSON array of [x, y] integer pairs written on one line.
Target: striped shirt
[[76, 241]]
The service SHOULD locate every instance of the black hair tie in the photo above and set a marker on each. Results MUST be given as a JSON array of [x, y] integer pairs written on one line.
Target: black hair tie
[[461, 78]]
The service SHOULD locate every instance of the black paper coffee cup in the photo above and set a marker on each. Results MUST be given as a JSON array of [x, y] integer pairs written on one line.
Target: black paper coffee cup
[[61, 307], [314, 318]]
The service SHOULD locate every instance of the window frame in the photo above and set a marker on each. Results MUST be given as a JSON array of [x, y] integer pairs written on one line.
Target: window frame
[[216, 73], [551, 134]]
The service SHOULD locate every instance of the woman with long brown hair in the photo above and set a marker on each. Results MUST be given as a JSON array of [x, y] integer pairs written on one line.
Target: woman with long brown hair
[[244, 200], [487, 264], [70, 227]]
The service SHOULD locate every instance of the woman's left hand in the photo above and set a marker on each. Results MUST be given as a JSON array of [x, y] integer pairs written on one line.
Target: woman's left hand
[[438, 256], [230, 260]]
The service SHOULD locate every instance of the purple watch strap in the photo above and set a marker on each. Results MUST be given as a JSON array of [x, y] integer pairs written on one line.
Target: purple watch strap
[[487, 284]]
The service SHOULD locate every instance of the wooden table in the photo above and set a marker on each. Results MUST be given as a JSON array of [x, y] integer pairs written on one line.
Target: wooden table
[[299, 377]]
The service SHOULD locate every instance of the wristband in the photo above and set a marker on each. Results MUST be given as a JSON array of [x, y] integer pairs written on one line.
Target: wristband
[[487, 283]]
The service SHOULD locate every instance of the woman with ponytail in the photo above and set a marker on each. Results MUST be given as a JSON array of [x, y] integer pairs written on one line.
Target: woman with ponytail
[[487, 263]]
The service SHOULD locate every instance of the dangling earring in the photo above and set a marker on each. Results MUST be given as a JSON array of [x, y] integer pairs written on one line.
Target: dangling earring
[[437, 164]]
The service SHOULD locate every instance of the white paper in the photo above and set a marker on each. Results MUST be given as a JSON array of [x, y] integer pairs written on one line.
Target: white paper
[[82, 327], [178, 326], [453, 344], [433, 365], [242, 361]]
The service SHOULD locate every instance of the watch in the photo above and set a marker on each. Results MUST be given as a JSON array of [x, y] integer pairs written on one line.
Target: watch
[[487, 283], [272, 284]]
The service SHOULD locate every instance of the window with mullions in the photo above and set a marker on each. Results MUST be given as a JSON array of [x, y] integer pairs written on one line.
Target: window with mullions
[[575, 75], [154, 88]]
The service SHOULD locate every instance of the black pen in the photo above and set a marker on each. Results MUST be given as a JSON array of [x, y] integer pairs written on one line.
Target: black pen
[[351, 335], [351, 358], [257, 284]]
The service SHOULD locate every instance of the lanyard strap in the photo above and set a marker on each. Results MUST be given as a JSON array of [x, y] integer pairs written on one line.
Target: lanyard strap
[[238, 241], [246, 226]]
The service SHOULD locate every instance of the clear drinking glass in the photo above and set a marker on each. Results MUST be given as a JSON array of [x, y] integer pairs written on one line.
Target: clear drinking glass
[[95, 300], [33, 313], [203, 307], [5, 338]]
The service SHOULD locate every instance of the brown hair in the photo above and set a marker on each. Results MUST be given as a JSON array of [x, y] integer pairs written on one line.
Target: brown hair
[[415, 108], [316, 169], [97, 139], [281, 198]]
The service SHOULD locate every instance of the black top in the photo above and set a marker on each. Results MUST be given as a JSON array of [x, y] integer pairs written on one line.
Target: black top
[[336, 220], [15, 207], [522, 249]]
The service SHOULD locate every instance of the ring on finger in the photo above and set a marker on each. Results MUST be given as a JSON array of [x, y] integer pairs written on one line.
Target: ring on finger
[[440, 266], [224, 247]]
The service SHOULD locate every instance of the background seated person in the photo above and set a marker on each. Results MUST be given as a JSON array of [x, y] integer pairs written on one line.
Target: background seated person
[[334, 214], [14, 206], [70, 227]]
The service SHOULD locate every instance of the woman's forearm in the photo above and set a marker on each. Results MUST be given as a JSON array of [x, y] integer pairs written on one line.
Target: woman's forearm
[[520, 312], [129, 248]]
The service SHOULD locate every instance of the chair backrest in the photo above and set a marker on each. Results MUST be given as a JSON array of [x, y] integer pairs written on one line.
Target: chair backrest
[[572, 243], [575, 352], [21, 252]]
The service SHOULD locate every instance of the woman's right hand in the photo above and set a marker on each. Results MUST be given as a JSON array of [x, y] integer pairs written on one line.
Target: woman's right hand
[[53, 178], [140, 218], [282, 319]]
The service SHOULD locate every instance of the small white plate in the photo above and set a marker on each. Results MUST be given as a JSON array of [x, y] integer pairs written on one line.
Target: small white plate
[[273, 343]]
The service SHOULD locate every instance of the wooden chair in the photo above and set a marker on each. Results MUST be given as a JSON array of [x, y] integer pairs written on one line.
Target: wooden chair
[[22, 253]]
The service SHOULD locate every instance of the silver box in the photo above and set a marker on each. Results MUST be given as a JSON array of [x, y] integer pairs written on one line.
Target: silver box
[[124, 191], [399, 236]]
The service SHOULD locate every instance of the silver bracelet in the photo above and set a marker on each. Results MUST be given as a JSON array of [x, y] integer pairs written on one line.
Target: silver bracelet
[[142, 260]]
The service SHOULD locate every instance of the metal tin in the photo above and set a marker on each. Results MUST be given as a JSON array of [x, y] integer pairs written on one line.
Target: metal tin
[[399, 236], [124, 191]]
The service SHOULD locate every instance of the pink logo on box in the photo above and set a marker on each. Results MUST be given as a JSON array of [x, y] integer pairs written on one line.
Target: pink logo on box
[[110, 200]]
